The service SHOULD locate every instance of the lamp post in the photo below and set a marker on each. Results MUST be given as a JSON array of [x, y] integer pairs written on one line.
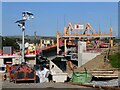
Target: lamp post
[[21, 23]]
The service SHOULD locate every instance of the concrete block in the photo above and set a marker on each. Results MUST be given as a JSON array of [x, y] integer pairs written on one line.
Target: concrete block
[[59, 77]]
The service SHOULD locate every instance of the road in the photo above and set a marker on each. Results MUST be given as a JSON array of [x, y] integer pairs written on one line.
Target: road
[[7, 84]]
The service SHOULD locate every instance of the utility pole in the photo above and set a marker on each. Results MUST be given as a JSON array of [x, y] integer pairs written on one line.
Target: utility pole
[[35, 37], [0, 42], [21, 23]]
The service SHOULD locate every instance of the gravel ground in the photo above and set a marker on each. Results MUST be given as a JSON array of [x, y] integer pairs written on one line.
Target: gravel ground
[[7, 84]]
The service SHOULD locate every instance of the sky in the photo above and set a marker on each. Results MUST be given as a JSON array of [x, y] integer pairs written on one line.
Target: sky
[[50, 17]]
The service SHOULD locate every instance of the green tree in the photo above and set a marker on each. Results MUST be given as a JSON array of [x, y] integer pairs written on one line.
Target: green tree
[[10, 42]]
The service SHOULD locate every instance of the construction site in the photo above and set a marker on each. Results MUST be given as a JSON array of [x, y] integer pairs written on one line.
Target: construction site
[[60, 45], [79, 59]]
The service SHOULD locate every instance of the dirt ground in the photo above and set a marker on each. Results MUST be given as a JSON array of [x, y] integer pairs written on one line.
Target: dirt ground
[[95, 64], [98, 62]]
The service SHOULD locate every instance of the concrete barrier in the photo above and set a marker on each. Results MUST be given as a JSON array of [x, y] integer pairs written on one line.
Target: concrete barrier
[[85, 57]]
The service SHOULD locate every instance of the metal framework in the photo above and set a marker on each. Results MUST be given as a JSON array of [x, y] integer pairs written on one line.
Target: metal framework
[[71, 32]]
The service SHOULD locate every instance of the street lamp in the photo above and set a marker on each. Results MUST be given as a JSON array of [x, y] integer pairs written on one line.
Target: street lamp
[[21, 23]]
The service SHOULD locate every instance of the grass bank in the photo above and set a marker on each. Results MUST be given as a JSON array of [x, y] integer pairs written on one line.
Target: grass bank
[[115, 60]]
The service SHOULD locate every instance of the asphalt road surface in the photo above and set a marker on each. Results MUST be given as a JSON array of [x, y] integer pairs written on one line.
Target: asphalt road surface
[[6, 85]]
